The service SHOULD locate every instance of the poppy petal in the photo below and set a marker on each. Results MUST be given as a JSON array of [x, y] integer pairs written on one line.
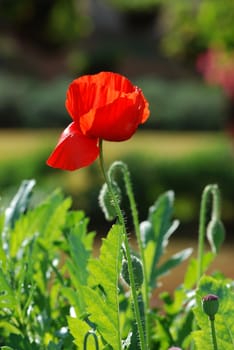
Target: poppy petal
[[146, 111], [94, 91], [74, 150], [118, 120]]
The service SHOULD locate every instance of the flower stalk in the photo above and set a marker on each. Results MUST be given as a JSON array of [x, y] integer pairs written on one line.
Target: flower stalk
[[209, 190], [210, 304], [130, 194], [120, 217]]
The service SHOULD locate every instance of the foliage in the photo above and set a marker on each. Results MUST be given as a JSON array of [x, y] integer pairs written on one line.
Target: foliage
[[192, 105], [201, 168], [135, 5], [56, 292], [34, 103], [224, 328], [49, 24], [193, 27]]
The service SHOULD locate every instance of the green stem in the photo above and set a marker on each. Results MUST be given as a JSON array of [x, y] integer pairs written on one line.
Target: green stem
[[216, 202], [127, 251], [132, 202], [214, 191], [95, 339], [213, 333], [202, 231]]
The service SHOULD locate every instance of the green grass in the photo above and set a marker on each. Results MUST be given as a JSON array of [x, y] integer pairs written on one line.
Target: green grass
[[20, 143]]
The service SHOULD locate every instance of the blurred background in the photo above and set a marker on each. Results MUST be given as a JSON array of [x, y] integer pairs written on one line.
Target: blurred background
[[179, 52]]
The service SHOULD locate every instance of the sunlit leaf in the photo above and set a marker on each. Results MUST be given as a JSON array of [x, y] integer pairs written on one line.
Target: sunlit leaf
[[156, 231], [78, 329], [190, 278], [7, 299], [101, 294], [45, 221], [223, 319], [104, 276], [174, 261], [19, 203]]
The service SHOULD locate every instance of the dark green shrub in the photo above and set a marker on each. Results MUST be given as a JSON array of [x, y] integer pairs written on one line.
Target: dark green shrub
[[183, 105], [175, 105]]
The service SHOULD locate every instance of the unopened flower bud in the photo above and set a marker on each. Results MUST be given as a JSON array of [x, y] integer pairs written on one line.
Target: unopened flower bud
[[210, 304], [137, 271]]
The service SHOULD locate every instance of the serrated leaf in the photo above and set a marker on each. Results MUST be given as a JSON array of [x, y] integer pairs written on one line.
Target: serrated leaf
[[45, 221], [78, 329], [224, 325], [76, 300], [80, 245], [102, 293], [156, 231], [79, 252]]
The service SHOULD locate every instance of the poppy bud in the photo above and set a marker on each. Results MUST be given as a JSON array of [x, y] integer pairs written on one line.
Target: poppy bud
[[137, 271], [215, 234], [210, 304], [106, 202]]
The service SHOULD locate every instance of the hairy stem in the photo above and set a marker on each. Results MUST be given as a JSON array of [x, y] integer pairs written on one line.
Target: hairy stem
[[127, 251], [132, 202]]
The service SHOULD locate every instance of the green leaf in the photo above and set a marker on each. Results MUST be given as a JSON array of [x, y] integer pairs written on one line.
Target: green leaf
[[190, 278], [45, 222], [19, 203], [156, 231], [174, 261], [80, 249], [104, 277], [10, 328], [78, 329], [101, 294], [53, 346], [223, 319], [7, 299], [80, 245]]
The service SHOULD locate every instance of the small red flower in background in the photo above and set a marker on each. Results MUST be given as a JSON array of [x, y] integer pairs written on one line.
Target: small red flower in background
[[103, 106], [217, 68]]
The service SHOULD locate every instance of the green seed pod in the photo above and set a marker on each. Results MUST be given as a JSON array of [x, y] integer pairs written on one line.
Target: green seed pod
[[215, 234], [137, 271], [210, 304], [106, 202]]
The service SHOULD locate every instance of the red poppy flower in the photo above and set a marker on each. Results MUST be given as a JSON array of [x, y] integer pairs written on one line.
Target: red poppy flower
[[103, 106]]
